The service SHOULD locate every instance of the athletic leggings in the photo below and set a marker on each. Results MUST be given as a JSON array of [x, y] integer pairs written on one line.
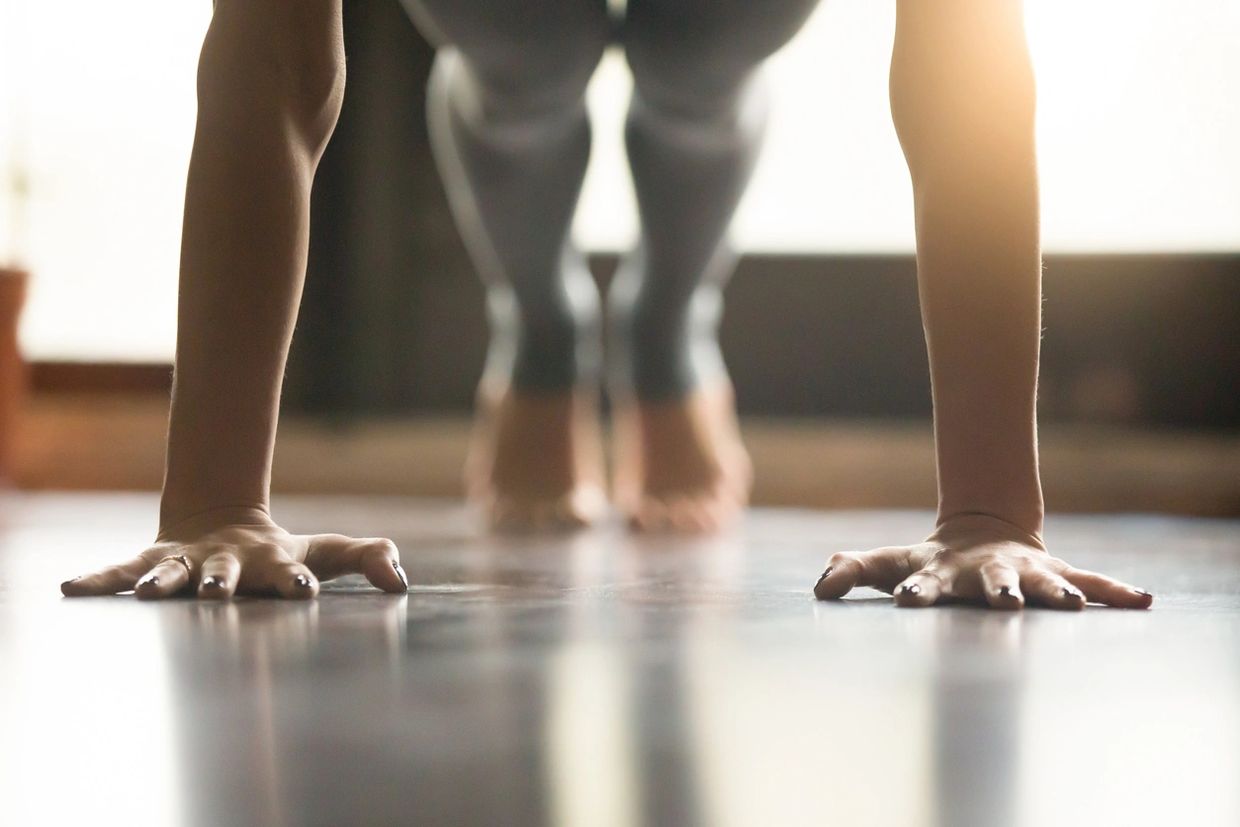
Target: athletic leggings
[[512, 138]]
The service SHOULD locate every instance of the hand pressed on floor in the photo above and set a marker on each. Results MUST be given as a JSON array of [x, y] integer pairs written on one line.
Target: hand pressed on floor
[[979, 559], [241, 551]]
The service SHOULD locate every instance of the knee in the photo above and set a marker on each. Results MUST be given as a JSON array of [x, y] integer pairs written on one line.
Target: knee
[[701, 67], [688, 84], [277, 54], [518, 77]]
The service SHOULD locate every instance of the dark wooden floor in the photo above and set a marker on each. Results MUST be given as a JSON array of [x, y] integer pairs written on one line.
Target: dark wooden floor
[[607, 681]]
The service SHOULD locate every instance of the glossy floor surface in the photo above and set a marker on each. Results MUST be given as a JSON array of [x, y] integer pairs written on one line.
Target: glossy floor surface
[[602, 680]]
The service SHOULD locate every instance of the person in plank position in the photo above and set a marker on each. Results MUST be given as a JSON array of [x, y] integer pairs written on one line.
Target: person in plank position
[[512, 138]]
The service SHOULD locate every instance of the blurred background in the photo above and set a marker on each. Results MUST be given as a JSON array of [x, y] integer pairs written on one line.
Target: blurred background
[[1139, 121]]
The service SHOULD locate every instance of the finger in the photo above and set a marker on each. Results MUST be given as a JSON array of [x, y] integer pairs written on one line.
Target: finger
[[109, 580], [920, 589], [164, 580], [220, 573], [268, 570], [331, 555], [1099, 588], [881, 568], [293, 581], [1048, 589], [1001, 586]]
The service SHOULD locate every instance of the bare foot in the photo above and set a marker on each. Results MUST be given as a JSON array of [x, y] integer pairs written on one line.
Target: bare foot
[[680, 465], [535, 462]]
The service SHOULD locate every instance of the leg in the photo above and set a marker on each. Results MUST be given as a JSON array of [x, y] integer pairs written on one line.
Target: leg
[[511, 136], [694, 130]]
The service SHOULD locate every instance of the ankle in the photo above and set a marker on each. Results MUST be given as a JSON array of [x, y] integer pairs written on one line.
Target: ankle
[[547, 346], [662, 350]]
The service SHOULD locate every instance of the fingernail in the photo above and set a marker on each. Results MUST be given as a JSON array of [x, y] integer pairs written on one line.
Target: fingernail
[[152, 580], [1142, 592], [1005, 591], [301, 581], [1071, 595], [823, 576], [212, 582], [71, 580], [401, 574], [911, 588]]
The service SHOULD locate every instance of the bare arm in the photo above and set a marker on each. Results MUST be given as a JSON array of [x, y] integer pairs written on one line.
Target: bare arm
[[962, 98], [963, 103], [271, 80], [259, 138]]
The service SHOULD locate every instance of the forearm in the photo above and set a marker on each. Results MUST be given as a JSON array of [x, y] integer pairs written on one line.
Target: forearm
[[243, 262], [981, 303], [966, 121]]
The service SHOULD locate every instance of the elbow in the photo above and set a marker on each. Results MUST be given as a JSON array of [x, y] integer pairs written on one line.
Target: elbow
[[275, 63], [968, 117]]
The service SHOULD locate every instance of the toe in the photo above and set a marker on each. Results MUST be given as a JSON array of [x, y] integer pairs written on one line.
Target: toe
[[685, 516], [568, 516], [651, 515], [501, 515], [690, 515], [511, 515]]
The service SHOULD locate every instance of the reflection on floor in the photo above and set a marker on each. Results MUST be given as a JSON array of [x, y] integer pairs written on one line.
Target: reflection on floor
[[602, 680]]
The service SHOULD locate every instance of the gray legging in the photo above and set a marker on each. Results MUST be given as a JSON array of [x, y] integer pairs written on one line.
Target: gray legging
[[512, 140]]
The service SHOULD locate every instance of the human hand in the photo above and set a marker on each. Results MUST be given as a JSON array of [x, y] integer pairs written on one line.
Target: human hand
[[242, 551], [975, 558]]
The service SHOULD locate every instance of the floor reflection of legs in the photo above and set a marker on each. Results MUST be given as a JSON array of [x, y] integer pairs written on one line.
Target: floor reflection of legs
[[694, 129]]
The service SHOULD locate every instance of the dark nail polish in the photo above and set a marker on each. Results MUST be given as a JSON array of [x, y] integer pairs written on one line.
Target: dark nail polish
[[1071, 595], [912, 589], [1005, 591], [70, 580], [301, 581], [212, 582], [823, 576], [1142, 592], [149, 581], [401, 574]]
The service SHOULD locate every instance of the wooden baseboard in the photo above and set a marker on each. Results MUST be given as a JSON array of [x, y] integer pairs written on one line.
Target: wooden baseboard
[[116, 442]]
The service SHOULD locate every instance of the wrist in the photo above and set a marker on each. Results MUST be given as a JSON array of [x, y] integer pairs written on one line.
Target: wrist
[[1015, 499], [218, 459], [183, 520], [962, 524], [202, 485]]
